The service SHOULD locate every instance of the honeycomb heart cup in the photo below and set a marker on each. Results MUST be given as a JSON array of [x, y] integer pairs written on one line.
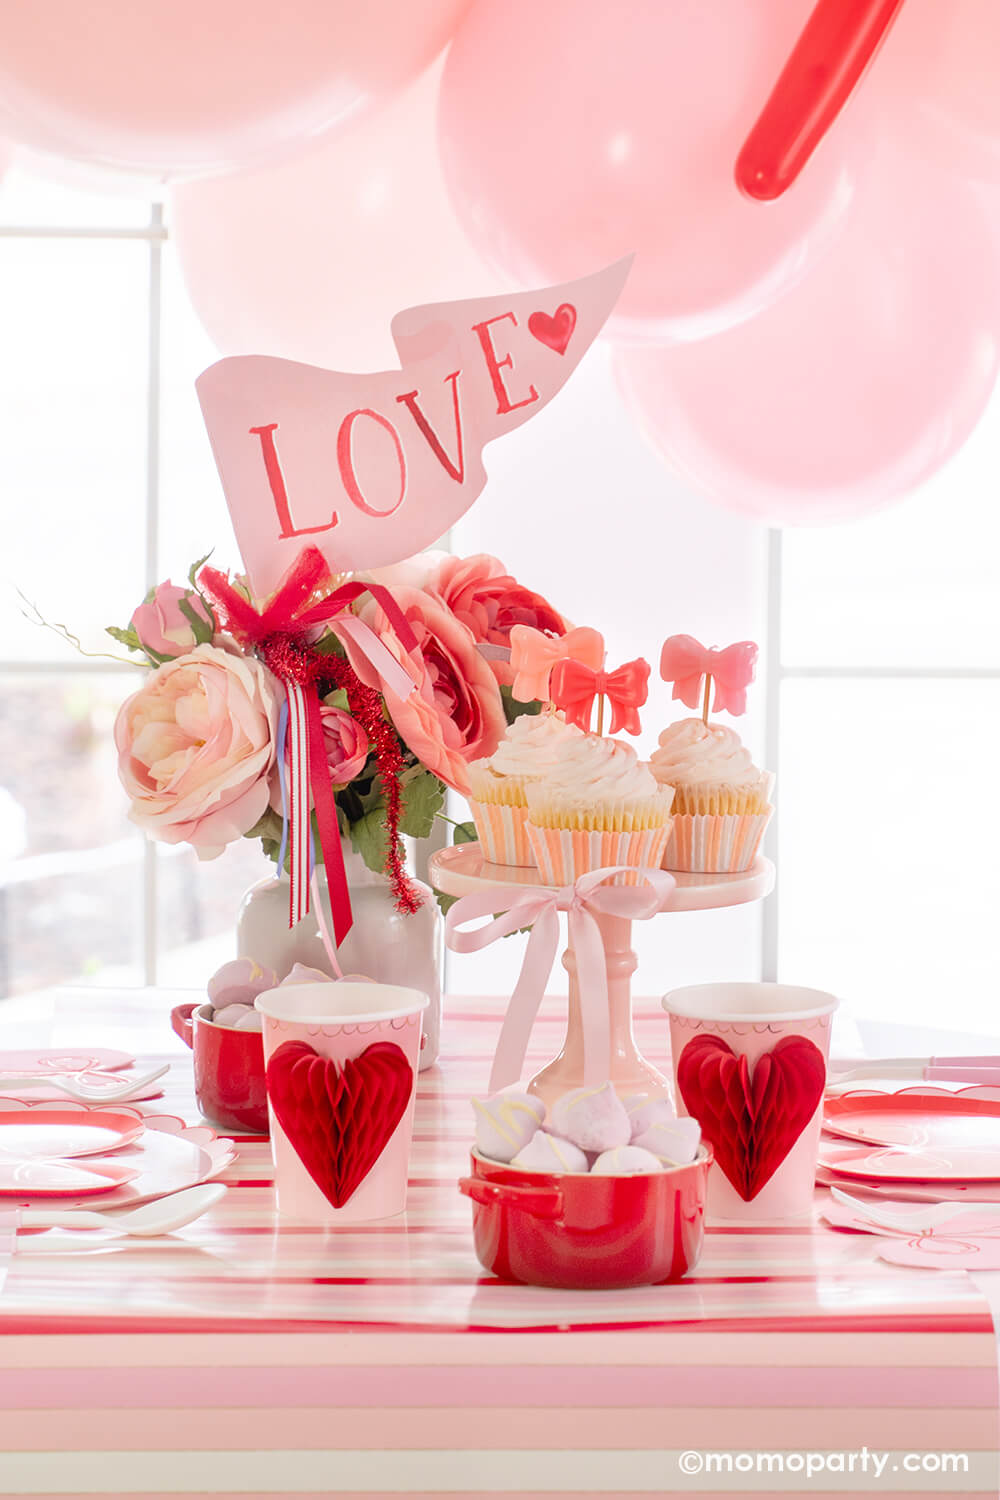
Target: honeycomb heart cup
[[750, 1066], [341, 1063]]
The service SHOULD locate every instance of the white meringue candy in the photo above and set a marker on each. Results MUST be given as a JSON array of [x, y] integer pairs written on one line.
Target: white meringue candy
[[592, 1118], [231, 1015], [673, 1141], [549, 1153], [626, 1161], [505, 1123], [239, 982], [252, 1021], [644, 1111]]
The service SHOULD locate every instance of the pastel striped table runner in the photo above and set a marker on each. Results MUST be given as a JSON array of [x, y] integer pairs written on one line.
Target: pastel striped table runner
[[245, 1358]]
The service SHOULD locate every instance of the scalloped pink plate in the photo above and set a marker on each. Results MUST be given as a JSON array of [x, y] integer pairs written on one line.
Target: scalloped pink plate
[[932, 1122], [59, 1179], [34, 1133], [166, 1157]]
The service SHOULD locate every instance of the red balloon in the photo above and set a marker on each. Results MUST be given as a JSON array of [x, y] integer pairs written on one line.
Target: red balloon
[[858, 384], [574, 133], [838, 44], [180, 87]]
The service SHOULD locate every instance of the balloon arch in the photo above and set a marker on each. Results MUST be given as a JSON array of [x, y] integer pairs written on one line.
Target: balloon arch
[[812, 323]]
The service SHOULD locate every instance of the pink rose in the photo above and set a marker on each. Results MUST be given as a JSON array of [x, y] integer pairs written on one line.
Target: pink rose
[[456, 713], [195, 745], [346, 746], [163, 627], [490, 602]]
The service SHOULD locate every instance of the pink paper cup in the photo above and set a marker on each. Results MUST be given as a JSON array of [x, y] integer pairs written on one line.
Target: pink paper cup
[[750, 1020], [340, 1022]]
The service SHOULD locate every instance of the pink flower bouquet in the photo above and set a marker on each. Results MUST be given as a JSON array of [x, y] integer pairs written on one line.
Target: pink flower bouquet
[[198, 743]]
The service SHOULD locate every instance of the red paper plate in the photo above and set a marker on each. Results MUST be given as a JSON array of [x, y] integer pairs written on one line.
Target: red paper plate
[[922, 1121], [32, 1134]]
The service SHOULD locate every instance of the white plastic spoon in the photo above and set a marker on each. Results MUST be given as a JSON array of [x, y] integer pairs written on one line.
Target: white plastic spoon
[[913, 1221], [116, 1094], [162, 1216]]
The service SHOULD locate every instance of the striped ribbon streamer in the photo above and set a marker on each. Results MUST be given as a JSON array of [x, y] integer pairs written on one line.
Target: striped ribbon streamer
[[298, 798]]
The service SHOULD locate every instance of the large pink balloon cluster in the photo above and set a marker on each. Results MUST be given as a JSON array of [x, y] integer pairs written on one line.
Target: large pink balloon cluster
[[177, 87], [803, 359], [804, 354]]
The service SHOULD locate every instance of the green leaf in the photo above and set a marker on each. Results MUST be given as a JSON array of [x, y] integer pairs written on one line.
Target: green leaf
[[126, 637], [513, 708], [196, 568], [422, 798], [268, 826], [444, 902], [464, 833], [202, 629], [328, 645], [338, 699], [368, 838]]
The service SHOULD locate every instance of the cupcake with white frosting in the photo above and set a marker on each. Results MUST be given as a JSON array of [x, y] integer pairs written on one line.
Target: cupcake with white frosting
[[529, 751], [598, 806], [721, 800]]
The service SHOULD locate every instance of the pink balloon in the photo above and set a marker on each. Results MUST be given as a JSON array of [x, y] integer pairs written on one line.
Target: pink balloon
[[572, 134], [310, 259], [940, 75], [175, 87], [853, 388]]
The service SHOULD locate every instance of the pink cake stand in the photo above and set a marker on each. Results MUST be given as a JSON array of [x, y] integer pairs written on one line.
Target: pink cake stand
[[461, 870]]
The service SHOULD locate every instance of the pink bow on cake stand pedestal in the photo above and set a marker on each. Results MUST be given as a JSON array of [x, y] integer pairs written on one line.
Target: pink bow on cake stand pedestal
[[520, 892]]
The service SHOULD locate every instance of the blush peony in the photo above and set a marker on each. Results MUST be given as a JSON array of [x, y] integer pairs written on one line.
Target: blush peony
[[195, 745], [483, 595], [456, 713]]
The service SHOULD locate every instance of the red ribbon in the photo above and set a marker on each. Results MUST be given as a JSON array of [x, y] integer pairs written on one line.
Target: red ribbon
[[574, 687], [277, 633]]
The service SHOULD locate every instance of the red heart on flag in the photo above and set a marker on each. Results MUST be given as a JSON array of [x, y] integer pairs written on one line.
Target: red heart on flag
[[340, 1118], [751, 1121], [556, 331]]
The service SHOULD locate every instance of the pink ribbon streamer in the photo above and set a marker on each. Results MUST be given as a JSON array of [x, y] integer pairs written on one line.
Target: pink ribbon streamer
[[388, 672], [539, 909]]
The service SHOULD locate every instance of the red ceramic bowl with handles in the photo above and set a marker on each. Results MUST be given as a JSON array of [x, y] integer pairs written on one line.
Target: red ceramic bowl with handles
[[581, 1231], [228, 1069]]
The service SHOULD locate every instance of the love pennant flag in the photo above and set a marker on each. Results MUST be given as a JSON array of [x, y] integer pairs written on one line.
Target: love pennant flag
[[372, 468]]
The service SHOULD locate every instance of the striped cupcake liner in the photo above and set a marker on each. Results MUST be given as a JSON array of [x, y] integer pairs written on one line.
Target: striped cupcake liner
[[718, 844], [502, 835], [563, 854]]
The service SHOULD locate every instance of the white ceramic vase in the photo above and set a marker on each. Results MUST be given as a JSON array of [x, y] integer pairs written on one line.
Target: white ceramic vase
[[383, 944]]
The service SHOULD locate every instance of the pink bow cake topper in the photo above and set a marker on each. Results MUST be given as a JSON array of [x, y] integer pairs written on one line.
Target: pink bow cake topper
[[685, 662], [575, 685], [370, 468], [534, 657]]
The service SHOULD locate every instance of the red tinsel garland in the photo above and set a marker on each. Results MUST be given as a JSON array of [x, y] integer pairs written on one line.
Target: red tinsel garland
[[366, 706]]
